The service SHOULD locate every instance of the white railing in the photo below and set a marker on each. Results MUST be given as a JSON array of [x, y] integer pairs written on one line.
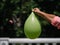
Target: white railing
[[22, 41]]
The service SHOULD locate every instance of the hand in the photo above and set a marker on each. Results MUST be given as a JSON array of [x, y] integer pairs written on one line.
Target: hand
[[36, 10]]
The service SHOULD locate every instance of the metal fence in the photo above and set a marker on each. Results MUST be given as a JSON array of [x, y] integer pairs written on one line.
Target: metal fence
[[23, 41]]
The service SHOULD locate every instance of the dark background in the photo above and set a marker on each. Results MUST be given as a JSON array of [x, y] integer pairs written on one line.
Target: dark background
[[19, 10]]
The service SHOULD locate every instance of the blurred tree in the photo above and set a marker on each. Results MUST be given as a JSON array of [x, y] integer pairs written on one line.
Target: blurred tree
[[13, 14]]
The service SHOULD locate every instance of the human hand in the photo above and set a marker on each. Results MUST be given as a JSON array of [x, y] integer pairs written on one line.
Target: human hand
[[55, 22], [36, 10]]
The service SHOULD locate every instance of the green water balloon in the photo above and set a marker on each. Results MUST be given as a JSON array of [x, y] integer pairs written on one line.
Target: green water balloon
[[32, 27]]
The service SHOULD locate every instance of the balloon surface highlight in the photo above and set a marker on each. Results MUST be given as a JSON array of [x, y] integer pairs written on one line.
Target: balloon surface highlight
[[32, 27]]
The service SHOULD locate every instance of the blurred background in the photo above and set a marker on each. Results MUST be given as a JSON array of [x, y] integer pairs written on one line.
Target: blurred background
[[13, 14]]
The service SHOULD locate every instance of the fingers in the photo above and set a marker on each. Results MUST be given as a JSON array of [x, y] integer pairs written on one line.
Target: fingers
[[35, 9], [58, 26]]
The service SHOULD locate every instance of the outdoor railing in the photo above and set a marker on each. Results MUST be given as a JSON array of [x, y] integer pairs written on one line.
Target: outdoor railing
[[23, 41]]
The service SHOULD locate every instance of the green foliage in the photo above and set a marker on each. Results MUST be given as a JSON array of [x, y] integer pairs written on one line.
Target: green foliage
[[14, 1], [13, 9]]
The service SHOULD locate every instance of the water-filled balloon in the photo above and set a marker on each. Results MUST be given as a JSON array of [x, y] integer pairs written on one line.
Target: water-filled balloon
[[32, 27]]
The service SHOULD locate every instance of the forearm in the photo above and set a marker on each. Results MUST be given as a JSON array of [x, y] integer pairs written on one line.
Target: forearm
[[46, 16]]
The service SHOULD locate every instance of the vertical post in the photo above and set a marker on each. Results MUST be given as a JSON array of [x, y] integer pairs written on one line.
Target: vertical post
[[46, 44], [22, 44], [29, 43], [38, 44], [53, 43], [3, 41], [13, 44]]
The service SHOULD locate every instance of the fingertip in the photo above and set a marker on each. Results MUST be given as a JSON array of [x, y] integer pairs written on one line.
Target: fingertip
[[32, 9]]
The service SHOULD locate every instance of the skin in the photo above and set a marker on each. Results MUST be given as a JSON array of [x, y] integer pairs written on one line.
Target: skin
[[46, 16]]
